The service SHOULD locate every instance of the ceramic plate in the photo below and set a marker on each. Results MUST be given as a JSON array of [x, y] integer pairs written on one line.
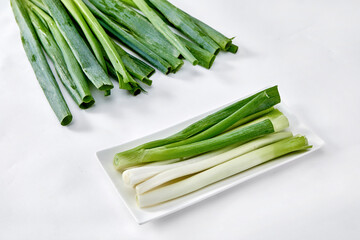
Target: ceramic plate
[[143, 215]]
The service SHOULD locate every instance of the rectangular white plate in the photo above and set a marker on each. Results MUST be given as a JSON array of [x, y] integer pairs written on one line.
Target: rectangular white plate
[[147, 214]]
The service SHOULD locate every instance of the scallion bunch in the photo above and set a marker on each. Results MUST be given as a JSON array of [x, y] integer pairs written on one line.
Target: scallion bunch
[[236, 138], [86, 42]]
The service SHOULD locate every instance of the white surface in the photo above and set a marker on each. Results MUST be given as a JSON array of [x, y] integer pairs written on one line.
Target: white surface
[[52, 187], [144, 215]]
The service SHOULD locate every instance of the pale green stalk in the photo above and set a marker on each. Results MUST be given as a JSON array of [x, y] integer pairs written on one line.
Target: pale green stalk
[[195, 167], [222, 171]]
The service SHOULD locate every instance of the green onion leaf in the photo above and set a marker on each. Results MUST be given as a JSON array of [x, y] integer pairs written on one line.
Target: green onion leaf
[[39, 63], [162, 27], [89, 64]]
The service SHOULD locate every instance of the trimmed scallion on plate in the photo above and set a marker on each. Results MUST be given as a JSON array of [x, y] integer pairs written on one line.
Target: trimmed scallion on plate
[[229, 141], [221, 171]]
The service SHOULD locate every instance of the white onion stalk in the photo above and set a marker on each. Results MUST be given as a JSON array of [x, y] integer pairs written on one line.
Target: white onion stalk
[[166, 162], [195, 167], [136, 175], [222, 171]]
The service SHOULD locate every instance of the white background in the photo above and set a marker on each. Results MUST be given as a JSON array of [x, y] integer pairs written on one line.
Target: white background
[[52, 187]]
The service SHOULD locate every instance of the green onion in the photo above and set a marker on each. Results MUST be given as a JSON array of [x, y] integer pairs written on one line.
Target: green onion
[[125, 79], [259, 103], [145, 68], [39, 4], [195, 167], [130, 3], [222, 171], [224, 42], [112, 73], [209, 120], [107, 92], [269, 113], [175, 63], [135, 23], [162, 27], [93, 42], [129, 40], [143, 47], [136, 175], [54, 52], [218, 37], [65, 62], [39, 63], [252, 117], [233, 48], [91, 67], [127, 159], [185, 24], [132, 66], [206, 59]]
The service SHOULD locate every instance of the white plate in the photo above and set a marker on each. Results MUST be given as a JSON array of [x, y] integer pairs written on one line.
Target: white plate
[[143, 215]]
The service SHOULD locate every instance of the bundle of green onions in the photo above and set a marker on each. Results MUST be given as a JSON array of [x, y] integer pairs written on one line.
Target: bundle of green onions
[[82, 40], [243, 135]]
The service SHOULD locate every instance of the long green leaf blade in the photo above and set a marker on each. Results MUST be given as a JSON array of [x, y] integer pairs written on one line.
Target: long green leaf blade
[[125, 79], [209, 120], [184, 23], [224, 42], [77, 90], [39, 63], [127, 159], [83, 54], [136, 23], [257, 104], [93, 42], [162, 27], [129, 40]]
